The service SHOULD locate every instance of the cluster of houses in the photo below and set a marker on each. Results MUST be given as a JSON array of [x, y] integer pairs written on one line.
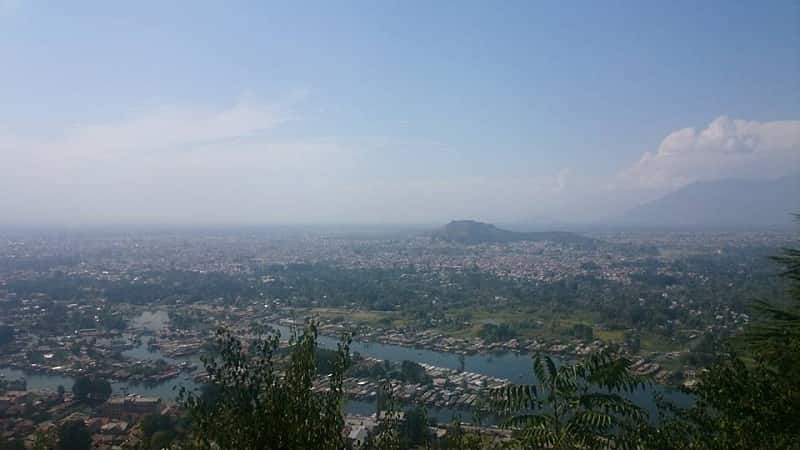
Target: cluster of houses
[[86, 351], [177, 343], [31, 416], [446, 388], [437, 341]]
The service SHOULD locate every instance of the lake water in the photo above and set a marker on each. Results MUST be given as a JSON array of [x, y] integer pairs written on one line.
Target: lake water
[[168, 389], [515, 367]]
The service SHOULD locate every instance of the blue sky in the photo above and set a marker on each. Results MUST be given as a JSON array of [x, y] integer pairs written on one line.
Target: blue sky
[[365, 111]]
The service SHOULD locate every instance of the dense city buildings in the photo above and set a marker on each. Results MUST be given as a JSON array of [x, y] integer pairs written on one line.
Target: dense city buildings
[[139, 309]]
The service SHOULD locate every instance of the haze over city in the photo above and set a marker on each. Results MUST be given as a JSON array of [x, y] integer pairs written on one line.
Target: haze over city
[[397, 112], [399, 225]]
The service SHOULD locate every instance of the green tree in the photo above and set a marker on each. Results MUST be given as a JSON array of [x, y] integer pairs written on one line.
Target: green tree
[[457, 438], [93, 391], [42, 441], [583, 331], [775, 338], [6, 335], [386, 435], [265, 401], [750, 402], [11, 445], [412, 372], [414, 429], [633, 340], [74, 435], [154, 423], [574, 406], [497, 333], [161, 439], [736, 407]]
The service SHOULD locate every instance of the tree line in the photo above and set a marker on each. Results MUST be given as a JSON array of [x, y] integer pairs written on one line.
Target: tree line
[[260, 396]]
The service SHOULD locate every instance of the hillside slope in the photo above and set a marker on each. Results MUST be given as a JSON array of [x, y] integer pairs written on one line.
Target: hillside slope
[[472, 232], [723, 203]]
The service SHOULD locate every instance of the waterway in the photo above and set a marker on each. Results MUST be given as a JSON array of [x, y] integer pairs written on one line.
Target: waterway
[[516, 367], [512, 366], [167, 389]]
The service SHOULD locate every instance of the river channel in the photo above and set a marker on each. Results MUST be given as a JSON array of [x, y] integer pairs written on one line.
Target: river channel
[[513, 366]]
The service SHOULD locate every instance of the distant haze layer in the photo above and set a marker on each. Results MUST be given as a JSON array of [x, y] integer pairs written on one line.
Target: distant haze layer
[[214, 113]]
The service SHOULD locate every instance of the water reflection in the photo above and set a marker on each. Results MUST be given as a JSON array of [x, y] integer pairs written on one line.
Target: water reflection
[[512, 366]]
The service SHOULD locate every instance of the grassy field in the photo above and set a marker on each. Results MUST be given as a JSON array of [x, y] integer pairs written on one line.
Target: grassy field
[[610, 335], [528, 324], [654, 343], [372, 318], [533, 323]]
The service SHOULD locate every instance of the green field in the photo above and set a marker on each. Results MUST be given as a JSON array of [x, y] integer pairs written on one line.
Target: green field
[[528, 324]]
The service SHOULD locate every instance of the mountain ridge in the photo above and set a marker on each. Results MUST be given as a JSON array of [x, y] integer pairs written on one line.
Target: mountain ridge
[[726, 202], [474, 232]]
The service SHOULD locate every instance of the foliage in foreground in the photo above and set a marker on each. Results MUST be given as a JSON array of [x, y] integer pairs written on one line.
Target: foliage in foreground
[[74, 435], [265, 401], [574, 406], [91, 390], [737, 407], [751, 403]]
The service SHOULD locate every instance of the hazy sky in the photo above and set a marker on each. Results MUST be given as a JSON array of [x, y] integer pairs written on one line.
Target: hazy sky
[[172, 112]]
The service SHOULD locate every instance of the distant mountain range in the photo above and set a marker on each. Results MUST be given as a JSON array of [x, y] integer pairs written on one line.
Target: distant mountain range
[[728, 203], [472, 232]]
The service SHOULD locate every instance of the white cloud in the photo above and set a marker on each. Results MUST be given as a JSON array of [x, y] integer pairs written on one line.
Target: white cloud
[[8, 7], [726, 148], [166, 165], [561, 180], [196, 164]]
